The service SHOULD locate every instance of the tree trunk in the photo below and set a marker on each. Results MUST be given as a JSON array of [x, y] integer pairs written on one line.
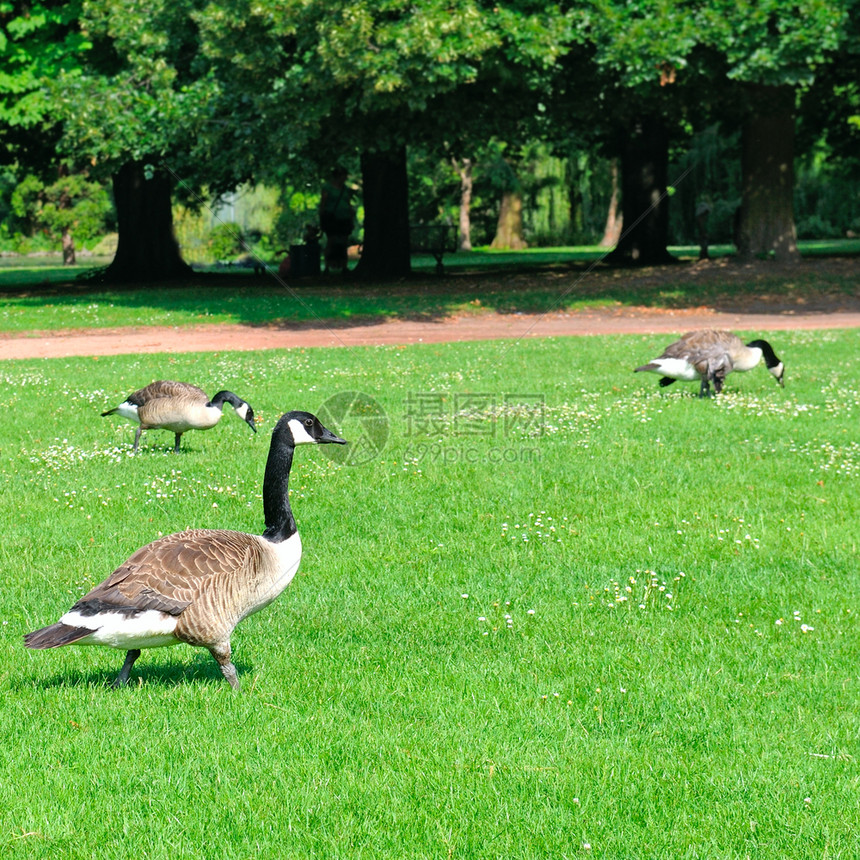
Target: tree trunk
[[766, 218], [614, 219], [644, 200], [64, 203], [147, 249], [68, 249], [509, 230], [464, 169], [385, 254]]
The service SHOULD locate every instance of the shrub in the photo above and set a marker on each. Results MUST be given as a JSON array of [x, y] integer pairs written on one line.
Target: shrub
[[226, 241]]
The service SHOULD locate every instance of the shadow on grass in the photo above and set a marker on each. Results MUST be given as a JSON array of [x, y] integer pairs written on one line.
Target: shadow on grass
[[539, 285], [201, 668], [153, 448]]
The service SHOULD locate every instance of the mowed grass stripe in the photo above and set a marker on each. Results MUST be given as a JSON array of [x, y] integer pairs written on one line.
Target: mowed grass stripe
[[561, 608]]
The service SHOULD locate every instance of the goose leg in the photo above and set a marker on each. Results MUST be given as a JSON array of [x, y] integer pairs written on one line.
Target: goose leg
[[221, 653], [130, 657], [705, 388], [176, 446], [136, 439]]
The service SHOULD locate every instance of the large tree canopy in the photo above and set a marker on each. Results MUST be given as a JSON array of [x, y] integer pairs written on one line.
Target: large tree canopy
[[323, 81], [38, 42], [134, 112], [772, 50], [745, 60], [174, 97]]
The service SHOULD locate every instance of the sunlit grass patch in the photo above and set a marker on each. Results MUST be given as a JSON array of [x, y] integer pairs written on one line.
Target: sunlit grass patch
[[642, 633]]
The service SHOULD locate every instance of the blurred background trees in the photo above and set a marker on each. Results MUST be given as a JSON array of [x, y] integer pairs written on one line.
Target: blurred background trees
[[518, 123]]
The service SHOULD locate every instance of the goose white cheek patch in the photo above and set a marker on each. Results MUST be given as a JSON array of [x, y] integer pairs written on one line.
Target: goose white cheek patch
[[300, 434]]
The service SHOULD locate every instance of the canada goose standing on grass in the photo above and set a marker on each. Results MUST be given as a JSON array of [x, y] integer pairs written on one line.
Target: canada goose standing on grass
[[196, 586], [178, 406], [710, 356]]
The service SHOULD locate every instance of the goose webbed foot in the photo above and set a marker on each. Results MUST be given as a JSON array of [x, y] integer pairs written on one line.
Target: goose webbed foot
[[122, 678]]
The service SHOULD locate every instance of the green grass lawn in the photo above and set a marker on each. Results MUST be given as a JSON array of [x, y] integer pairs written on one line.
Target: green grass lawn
[[563, 613], [34, 298]]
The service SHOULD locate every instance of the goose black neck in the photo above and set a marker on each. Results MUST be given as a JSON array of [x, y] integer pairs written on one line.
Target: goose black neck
[[767, 352], [223, 397], [280, 523]]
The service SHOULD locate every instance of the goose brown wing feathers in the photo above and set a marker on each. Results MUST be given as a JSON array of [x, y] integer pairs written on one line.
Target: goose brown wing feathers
[[699, 341], [168, 388], [708, 338], [172, 572]]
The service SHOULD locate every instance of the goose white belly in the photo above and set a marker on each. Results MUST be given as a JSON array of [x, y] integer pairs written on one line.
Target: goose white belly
[[148, 629], [676, 368], [179, 418]]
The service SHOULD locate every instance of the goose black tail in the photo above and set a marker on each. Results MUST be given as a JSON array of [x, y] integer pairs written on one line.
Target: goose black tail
[[56, 635]]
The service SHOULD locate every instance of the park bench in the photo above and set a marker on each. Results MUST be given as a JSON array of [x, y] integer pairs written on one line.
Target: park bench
[[435, 239]]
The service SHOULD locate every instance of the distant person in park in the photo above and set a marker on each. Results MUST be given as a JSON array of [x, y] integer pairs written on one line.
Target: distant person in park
[[337, 218]]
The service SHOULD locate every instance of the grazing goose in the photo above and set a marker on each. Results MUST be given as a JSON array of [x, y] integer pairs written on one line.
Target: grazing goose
[[196, 586], [710, 356], [178, 406]]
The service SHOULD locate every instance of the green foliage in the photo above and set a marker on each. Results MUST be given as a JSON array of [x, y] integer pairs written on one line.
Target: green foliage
[[71, 204], [218, 94], [635, 42], [324, 81], [826, 196], [226, 241], [38, 41], [708, 173], [476, 658], [142, 96], [770, 42], [300, 209], [774, 42], [553, 185], [251, 212]]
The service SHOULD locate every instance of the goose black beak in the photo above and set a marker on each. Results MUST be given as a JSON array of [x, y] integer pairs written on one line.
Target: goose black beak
[[328, 436], [249, 420]]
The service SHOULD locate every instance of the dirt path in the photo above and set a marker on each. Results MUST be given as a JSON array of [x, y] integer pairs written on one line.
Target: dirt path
[[218, 338]]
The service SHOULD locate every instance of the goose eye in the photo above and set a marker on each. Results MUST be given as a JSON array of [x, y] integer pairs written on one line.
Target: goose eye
[[309, 422]]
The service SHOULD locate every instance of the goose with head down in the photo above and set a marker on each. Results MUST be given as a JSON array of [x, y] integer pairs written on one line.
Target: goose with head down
[[178, 406], [197, 585], [709, 356]]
